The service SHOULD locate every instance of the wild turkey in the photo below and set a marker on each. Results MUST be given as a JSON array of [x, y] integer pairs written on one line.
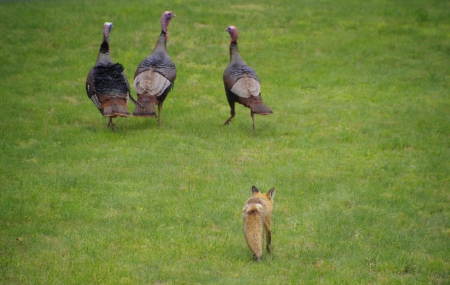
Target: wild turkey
[[155, 75], [106, 84], [242, 83]]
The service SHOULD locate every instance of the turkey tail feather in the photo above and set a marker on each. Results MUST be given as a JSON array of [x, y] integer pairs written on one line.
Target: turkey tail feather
[[258, 107], [136, 102], [115, 110], [148, 110], [148, 104], [115, 107]]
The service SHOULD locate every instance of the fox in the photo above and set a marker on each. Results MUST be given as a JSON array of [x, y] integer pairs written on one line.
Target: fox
[[257, 213]]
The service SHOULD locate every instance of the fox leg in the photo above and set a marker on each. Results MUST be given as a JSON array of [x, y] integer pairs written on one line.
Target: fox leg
[[268, 235]]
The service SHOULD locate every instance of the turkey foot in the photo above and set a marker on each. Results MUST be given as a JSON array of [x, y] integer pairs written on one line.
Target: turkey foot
[[228, 120], [111, 124]]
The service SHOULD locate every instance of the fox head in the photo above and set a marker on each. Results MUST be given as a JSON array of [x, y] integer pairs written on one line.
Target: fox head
[[263, 203], [267, 197]]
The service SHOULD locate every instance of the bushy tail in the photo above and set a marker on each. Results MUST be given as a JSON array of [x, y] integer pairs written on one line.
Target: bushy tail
[[115, 107], [257, 106], [149, 104], [253, 229]]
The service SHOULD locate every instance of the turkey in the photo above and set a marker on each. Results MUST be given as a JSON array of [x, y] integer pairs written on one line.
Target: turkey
[[106, 84], [155, 75], [242, 83]]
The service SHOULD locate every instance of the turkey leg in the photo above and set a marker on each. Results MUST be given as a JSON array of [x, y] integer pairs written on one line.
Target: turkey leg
[[232, 113], [253, 120], [111, 124]]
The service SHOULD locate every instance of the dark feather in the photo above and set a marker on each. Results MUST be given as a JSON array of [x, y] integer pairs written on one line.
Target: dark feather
[[109, 79]]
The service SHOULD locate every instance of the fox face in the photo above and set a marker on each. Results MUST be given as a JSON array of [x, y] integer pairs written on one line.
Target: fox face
[[257, 213]]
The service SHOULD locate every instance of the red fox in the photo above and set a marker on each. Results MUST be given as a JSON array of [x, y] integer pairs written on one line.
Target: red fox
[[257, 212]]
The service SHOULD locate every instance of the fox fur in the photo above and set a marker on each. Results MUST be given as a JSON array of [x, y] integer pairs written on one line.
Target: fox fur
[[257, 213]]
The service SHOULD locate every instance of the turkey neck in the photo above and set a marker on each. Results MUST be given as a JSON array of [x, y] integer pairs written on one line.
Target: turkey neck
[[161, 44], [103, 55], [235, 57]]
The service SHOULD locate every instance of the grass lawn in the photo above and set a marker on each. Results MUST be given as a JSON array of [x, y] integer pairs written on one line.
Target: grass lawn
[[358, 146]]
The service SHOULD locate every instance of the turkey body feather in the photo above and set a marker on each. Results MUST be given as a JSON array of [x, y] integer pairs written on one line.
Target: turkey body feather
[[110, 79]]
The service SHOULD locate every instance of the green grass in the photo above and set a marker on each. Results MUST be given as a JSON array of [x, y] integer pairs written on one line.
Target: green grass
[[358, 146]]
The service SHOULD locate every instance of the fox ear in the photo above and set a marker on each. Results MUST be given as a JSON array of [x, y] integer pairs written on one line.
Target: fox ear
[[254, 190], [271, 193]]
